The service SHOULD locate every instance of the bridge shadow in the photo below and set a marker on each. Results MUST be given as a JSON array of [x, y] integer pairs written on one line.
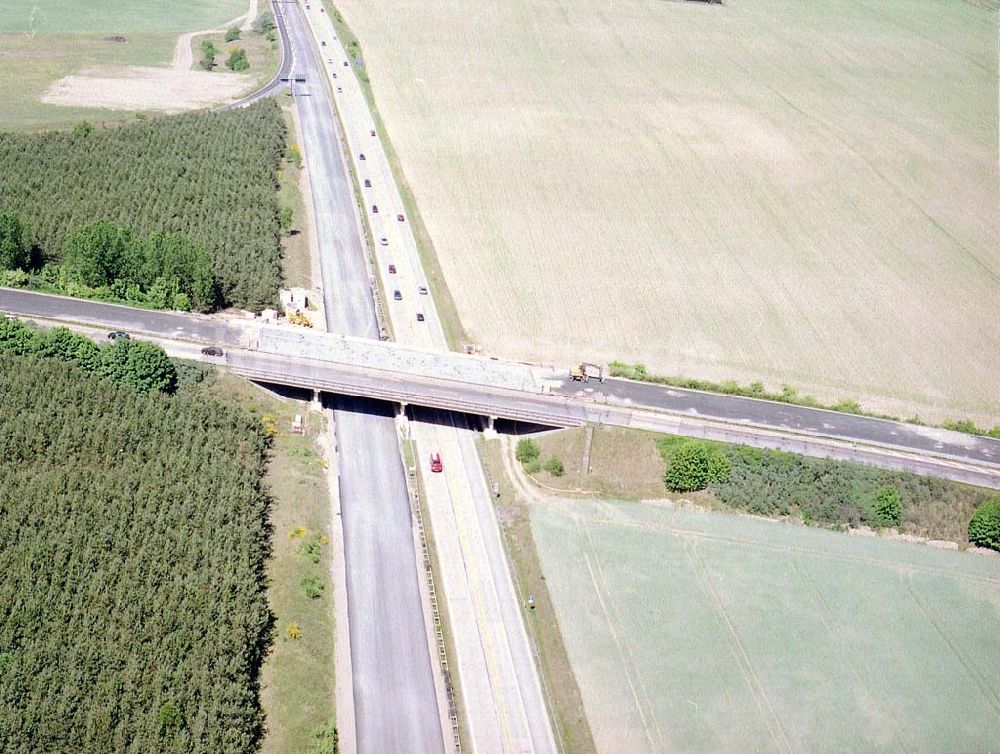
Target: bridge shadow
[[375, 407]]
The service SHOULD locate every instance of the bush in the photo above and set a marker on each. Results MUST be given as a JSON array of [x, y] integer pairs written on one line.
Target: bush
[[533, 466], [527, 450], [687, 470], [237, 60], [264, 22], [233, 33], [325, 740], [312, 586], [984, 528], [692, 465], [888, 506], [555, 466]]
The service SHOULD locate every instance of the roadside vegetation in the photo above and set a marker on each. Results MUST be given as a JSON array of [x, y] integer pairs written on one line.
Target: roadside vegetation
[[256, 51], [297, 679], [133, 539], [136, 364], [788, 394], [131, 213], [633, 464], [559, 683]]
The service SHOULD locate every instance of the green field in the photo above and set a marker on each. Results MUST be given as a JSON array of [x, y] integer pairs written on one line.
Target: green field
[[40, 44], [693, 631]]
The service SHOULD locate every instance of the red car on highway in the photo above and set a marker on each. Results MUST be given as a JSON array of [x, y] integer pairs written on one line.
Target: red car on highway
[[436, 466]]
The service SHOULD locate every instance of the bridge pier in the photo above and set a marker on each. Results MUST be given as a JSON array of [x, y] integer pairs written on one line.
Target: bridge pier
[[489, 431], [317, 402], [403, 421]]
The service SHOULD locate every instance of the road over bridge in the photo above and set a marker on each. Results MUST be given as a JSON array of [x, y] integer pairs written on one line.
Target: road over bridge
[[495, 388]]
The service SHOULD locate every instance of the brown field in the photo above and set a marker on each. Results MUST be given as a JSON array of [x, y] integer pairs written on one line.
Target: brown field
[[802, 193]]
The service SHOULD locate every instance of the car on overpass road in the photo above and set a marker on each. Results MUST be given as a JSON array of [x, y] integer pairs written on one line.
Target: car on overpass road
[[436, 466]]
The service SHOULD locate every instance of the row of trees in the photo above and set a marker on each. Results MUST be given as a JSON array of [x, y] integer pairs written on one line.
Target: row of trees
[[141, 366], [133, 539], [104, 260], [825, 492], [208, 177]]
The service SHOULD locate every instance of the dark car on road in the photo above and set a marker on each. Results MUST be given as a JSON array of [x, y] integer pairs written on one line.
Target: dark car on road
[[397, 295], [118, 334], [420, 316], [211, 351]]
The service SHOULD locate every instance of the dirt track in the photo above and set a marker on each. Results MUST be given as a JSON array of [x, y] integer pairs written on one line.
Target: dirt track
[[170, 89]]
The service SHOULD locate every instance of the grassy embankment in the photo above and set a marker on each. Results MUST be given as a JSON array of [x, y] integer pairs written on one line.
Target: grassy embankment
[[262, 54], [448, 313], [296, 258], [629, 464], [298, 675], [558, 681]]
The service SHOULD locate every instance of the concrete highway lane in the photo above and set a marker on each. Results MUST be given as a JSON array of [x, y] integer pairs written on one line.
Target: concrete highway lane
[[394, 696]]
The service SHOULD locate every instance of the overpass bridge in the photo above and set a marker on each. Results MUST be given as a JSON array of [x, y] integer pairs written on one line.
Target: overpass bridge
[[493, 388]]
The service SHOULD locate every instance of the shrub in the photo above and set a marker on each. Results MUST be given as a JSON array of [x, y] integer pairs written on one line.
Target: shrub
[[555, 466], [292, 631], [687, 470], [888, 506], [237, 60], [533, 466], [527, 450], [984, 528], [325, 740], [264, 22], [233, 33], [312, 586]]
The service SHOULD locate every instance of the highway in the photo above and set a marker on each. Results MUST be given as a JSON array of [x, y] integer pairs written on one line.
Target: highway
[[395, 701], [501, 701]]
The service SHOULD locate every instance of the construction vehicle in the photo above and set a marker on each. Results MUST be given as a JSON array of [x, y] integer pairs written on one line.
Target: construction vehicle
[[297, 318], [585, 372]]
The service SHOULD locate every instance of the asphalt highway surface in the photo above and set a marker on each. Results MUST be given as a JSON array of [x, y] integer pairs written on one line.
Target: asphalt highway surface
[[394, 696], [786, 416]]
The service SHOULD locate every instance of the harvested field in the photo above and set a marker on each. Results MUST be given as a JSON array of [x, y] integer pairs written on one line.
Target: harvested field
[[802, 193], [693, 631]]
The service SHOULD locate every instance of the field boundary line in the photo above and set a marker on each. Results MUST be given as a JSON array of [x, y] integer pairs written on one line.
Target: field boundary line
[[821, 607], [757, 689], [614, 636], [988, 691]]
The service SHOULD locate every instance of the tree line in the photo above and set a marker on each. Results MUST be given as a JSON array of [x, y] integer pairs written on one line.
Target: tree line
[[107, 261], [184, 186], [143, 366], [831, 493], [133, 538]]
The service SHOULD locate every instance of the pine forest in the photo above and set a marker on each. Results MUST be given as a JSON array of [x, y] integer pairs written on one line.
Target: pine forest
[[210, 177], [133, 538]]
